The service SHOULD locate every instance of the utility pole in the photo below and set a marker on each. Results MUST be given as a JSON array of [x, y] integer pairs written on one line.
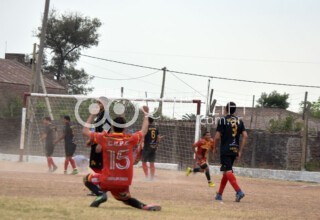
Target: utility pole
[[208, 102], [33, 68], [41, 47], [164, 69], [146, 94], [304, 149], [252, 110]]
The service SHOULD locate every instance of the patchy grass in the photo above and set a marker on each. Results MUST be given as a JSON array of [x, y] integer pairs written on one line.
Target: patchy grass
[[34, 194]]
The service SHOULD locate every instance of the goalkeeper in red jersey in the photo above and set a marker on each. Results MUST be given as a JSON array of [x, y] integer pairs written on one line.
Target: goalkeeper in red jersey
[[201, 150], [117, 172]]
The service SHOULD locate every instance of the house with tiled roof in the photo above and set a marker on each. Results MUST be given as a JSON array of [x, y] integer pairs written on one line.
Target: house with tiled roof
[[15, 80]]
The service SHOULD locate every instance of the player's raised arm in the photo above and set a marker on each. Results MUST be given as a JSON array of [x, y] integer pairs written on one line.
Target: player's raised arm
[[85, 130], [145, 123]]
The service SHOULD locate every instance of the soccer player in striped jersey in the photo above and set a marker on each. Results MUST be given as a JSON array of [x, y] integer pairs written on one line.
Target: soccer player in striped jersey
[[201, 150], [229, 130], [117, 151], [96, 160], [149, 148]]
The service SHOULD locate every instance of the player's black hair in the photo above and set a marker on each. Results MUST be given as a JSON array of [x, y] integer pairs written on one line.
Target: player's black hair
[[47, 118], [205, 132], [67, 117], [150, 120], [121, 121], [231, 107]]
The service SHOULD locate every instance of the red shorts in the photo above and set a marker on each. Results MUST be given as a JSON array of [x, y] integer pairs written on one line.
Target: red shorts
[[121, 193]]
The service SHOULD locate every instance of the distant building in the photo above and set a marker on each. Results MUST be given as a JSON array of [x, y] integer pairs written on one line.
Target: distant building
[[15, 80], [259, 118]]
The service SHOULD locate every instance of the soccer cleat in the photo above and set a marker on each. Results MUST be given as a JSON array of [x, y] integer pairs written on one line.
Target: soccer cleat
[[65, 172], [211, 184], [152, 208], [74, 172], [218, 197], [189, 170], [239, 196], [100, 199]]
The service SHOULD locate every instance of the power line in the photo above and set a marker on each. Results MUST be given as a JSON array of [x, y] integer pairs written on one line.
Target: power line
[[139, 77], [188, 85], [201, 75]]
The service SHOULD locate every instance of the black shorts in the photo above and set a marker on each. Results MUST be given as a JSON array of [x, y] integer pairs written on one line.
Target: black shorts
[[49, 150], [148, 155], [226, 162], [95, 158], [70, 148]]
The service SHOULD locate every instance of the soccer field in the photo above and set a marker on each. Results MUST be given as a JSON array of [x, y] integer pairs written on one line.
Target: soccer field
[[28, 192]]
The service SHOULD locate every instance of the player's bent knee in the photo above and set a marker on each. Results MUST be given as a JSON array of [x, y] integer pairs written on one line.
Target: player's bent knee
[[204, 166]]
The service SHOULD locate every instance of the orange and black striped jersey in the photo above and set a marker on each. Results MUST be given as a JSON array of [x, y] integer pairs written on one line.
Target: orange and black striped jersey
[[203, 147]]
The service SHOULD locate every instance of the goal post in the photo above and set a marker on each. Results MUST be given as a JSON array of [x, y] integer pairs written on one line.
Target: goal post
[[179, 123]]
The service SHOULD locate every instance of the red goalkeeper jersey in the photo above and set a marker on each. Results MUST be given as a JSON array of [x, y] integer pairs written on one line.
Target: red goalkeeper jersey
[[203, 147], [117, 151]]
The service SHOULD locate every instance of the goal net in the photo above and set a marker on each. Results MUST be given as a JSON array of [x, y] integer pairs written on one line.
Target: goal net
[[177, 120]]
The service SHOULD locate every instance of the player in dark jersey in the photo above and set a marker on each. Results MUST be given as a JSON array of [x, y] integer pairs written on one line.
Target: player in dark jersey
[[201, 150], [47, 135], [69, 144], [117, 150], [228, 132], [149, 148], [96, 160], [96, 157]]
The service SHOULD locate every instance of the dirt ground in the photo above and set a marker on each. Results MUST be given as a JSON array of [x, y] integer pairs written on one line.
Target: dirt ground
[[181, 197]]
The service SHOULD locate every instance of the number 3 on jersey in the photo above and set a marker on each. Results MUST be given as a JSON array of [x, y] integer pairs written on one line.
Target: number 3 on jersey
[[117, 159]]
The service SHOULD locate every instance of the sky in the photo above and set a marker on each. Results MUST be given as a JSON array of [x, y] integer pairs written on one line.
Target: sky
[[257, 40]]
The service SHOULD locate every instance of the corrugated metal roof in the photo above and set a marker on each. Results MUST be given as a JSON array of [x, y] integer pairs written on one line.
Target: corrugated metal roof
[[16, 73]]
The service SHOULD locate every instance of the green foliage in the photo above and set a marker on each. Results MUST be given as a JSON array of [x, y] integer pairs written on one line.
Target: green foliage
[[274, 100], [77, 79], [315, 109], [67, 35], [190, 116], [12, 107], [313, 166], [285, 125]]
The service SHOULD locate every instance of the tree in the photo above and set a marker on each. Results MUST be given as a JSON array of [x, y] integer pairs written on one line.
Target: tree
[[287, 124], [66, 36], [274, 100], [315, 109], [190, 116]]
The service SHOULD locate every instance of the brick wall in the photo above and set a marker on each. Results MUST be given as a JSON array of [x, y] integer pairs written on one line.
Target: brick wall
[[10, 135]]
